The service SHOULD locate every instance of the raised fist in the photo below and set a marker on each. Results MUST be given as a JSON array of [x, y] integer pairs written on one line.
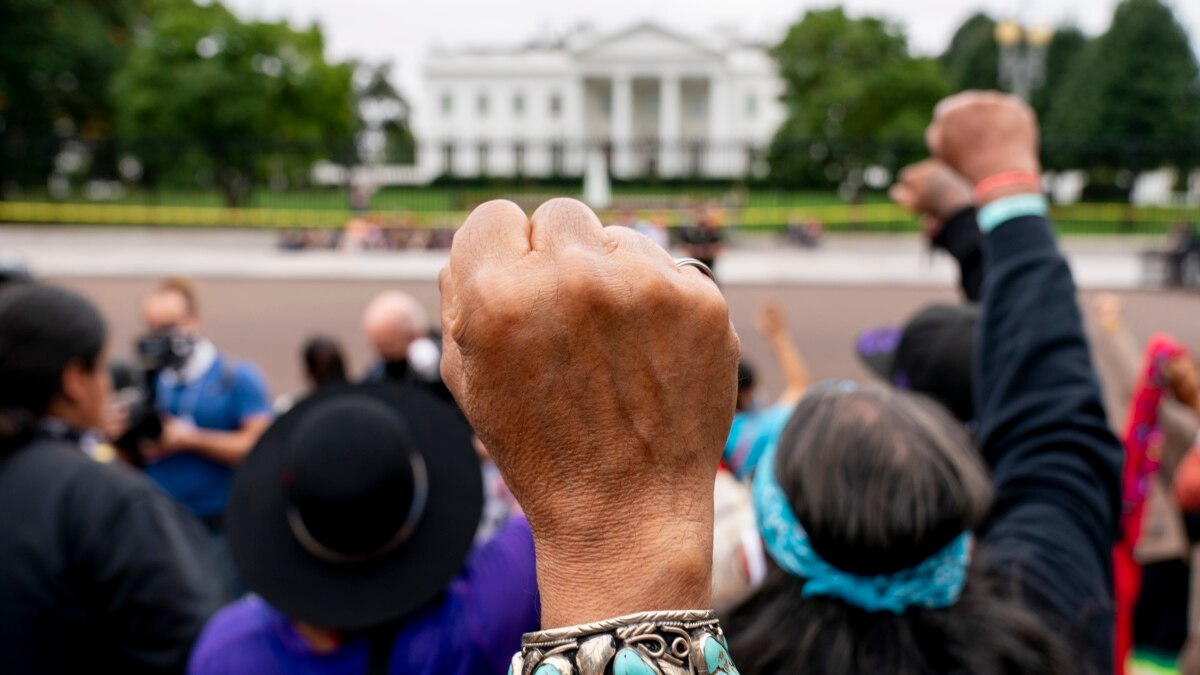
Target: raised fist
[[982, 133], [931, 189], [602, 379]]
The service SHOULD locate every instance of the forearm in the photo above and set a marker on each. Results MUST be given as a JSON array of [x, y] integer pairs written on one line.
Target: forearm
[[1042, 423], [795, 369], [960, 237], [623, 563], [225, 447]]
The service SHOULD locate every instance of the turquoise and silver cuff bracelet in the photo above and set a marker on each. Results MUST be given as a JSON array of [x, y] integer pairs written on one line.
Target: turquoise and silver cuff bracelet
[[686, 642]]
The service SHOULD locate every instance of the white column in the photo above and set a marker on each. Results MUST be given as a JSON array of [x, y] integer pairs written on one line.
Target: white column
[[670, 129], [622, 123], [718, 153]]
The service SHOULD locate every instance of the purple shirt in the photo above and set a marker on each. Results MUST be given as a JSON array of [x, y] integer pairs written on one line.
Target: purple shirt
[[474, 629]]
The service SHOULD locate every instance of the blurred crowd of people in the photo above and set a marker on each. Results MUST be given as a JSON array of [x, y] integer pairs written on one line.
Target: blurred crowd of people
[[979, 508], [702, 234]]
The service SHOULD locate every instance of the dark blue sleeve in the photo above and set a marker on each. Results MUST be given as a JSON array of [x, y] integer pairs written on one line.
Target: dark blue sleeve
[[1043, 431], [960, 237], [252, 397]]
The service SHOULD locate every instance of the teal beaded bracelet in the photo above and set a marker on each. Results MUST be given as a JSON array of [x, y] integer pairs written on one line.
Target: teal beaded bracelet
[[687, 642]]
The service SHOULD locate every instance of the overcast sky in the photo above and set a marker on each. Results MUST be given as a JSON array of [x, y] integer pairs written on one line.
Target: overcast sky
[[403, 31]]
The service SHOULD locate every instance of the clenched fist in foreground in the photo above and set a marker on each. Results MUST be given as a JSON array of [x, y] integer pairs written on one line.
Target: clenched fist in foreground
[[602, 379]]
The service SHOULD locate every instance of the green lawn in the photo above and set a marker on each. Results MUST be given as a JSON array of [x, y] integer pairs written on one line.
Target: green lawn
[[758, 209]]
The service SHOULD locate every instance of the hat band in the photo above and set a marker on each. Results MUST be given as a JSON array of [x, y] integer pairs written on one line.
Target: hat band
[[415, 510]]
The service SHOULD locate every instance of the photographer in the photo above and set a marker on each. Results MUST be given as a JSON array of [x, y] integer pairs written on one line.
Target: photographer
[[212, 410]]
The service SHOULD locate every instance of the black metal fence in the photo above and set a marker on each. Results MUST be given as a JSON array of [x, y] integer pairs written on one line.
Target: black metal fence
[[323, 184]]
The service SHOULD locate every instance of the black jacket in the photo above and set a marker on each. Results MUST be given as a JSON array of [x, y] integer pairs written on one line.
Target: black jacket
[[99, 571], [1043, 431], [960, 237]]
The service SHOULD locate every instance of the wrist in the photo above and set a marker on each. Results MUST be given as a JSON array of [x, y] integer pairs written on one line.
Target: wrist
[[585, 573], [1011, 207], [998, 193], [948, 211], [1006, 183]]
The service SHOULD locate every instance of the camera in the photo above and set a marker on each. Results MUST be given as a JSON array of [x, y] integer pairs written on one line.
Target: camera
[[133, 389], [160, 350], [134, 386]]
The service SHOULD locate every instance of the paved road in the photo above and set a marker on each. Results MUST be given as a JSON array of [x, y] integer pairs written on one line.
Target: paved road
[[859, 260], [268, 319], [261, 303]]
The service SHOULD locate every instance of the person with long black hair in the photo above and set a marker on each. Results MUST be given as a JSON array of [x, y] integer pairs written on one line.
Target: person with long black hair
[[101, 570]]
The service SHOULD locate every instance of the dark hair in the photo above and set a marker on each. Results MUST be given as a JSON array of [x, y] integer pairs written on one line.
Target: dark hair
[[42, 330], [747, 377], [880, 480], [323, 361]]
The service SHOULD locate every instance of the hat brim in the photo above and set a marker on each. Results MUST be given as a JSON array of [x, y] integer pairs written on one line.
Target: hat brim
[[352, 596], [876, 348]]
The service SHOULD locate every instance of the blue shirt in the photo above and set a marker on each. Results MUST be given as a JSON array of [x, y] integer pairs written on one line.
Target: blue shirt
[[474, 629], [221, 399], [752, 432]]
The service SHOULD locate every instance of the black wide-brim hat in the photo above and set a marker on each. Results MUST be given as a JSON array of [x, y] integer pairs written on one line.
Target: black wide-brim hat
[[357, 594]]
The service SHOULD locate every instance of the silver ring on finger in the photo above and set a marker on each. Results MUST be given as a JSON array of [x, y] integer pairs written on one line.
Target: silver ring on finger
[[692, 262]]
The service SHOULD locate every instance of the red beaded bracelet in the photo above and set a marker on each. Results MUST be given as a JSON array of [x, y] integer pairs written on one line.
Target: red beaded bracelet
[[985, 187]]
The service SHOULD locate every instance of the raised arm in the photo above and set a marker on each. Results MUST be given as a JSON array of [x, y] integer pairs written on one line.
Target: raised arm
[[1042, 425], [795, 371]]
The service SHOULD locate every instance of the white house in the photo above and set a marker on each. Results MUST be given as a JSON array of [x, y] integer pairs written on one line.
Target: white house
[[652, 101]]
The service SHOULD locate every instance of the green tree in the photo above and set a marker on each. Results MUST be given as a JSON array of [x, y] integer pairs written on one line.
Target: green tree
[[854, 97], [1065, 47], [56, 61], [972, 59], [206, 93], [1131, 99]]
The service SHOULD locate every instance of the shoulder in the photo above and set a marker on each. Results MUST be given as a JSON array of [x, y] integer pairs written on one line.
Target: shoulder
[[236, 639], [243, 370], [111, 483]]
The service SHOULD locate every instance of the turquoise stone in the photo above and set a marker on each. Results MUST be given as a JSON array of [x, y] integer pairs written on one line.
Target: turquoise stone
[[629, 662], [716, 657], [545, 669]]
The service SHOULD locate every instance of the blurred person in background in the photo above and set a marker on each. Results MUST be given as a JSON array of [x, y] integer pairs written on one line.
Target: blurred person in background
[[13, 271], [1183, 245], [758, 422], [931, 355], [703, 239], [656, 228], [361, 558], [101, 571], [398, 329], [213, 409], [324, 363], [1151, 561]]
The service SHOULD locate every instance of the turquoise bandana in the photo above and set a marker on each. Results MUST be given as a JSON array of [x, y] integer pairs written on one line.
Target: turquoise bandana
[[934, 583]]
